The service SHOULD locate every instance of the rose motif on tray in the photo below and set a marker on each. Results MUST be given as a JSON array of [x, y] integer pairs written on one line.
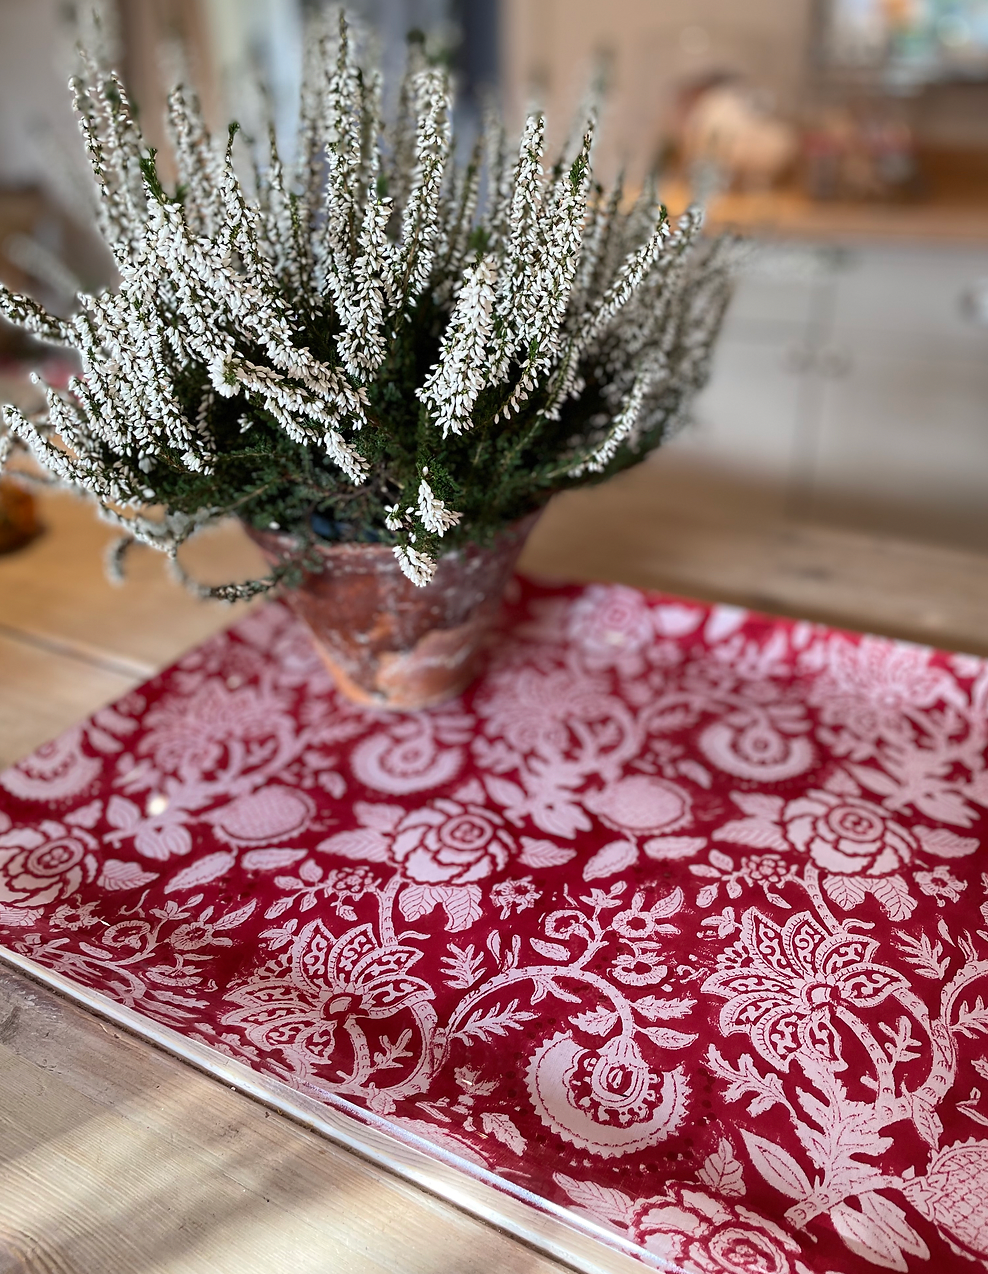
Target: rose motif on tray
[[612, 626], [847, 834], [696, 1231], [450, 843], [606, 1100], [42, 864], [860, 848], [691, 1228]]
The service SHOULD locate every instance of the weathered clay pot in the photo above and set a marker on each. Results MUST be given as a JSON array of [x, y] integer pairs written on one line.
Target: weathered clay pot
[[18, 516], [388, 643]]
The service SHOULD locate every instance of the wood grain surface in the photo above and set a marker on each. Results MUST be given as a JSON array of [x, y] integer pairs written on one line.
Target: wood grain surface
[[44, 688], [119, 1158], [667, 525], [56, 589]]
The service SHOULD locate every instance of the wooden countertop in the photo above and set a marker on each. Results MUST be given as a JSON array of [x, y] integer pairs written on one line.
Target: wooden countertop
[[121, 1158], [951, 207]]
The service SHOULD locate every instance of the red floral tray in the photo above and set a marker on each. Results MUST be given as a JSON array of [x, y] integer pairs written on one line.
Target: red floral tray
[[675, 925]]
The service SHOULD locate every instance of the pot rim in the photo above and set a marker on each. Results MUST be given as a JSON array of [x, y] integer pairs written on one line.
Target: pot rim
[[381, 556]]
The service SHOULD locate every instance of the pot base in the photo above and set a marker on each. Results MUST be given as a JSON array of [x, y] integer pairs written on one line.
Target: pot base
[[386, 642], [439, 667]]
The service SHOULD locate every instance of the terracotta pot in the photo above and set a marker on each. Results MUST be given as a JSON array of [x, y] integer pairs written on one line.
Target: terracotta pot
[[388, 643], [18, 516]]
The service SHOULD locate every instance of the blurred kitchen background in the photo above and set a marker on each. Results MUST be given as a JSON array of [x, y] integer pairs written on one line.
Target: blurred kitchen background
[[847, 138]]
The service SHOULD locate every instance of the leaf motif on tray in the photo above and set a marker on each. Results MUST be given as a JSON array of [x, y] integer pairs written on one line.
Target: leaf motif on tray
[[365, 844], [382, 818], [601, 1022], [117, 874], [777, 1166], [944, 843], [665, 1037], [544, 853], [463, 966], [484, 1024], [722, 1171], [162, 843], [122, 814], [201, 872], [503, 1129], [551, 950], [612, 858], [270, 859], [460, 902], [604, 1201]]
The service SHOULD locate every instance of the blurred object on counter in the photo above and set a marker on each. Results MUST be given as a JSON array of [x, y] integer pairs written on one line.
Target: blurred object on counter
[[43, 266], [18, 516], [44, 252], [658, 54], [907, 43], [863, 154], [726, 125]]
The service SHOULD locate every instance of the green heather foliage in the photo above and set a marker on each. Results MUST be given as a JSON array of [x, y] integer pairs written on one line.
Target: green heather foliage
[[364, 348]]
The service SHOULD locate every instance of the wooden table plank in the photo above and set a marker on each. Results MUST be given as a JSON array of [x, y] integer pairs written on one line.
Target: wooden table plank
[[56, 589], [660, 526], [118, 1157], [43, 692]]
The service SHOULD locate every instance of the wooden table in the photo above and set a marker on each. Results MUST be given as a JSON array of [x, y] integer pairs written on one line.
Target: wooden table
[[117, 1156]]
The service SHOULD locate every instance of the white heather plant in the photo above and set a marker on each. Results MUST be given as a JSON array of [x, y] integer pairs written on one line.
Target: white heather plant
[[362, 348]]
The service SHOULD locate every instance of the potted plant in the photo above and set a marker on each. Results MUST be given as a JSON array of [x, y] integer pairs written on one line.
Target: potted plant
[[384, 362]]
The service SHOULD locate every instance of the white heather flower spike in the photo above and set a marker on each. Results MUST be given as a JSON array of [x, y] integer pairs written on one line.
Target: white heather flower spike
[[302, 340], [199, 167], [364, 300], [31, 317], [517, 298], [420, 223], [433, 513], [455, 383], [8, 442], [419, 567], [624, 423], [342, 124]]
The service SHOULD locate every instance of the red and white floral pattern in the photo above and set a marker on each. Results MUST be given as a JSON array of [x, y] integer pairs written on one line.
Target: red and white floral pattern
[[679, 919]]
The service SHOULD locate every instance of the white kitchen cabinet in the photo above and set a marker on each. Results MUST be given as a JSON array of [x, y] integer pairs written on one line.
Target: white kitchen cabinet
[[853, 386]]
